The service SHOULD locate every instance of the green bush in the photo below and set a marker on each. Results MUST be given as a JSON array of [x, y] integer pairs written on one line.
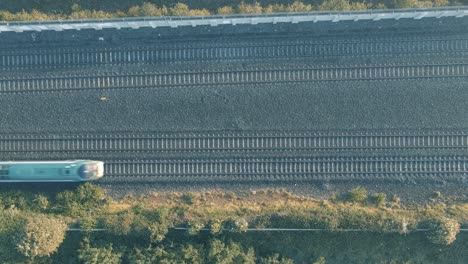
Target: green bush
[[328, 217], [275, 259], [179, 10], [86, 199], [15, 199], [298, 6], [148, 9], [225, 10], [320, 260], [358, 195], [236, 224], [158, 232], [103, 255], [353, 217], [344, 5], [149, 226], [411, 3], [180, 254], [254, 8], [88, 223], [141, 256], [12, 221], [188, 198], [100, 10], [219, 252], [158, 223], [40, 236], [40, 203], [148, 255], [216, 226], [443, 230], [120, 224], [191, 254], [379, 199], [262, 221], [194, 227]]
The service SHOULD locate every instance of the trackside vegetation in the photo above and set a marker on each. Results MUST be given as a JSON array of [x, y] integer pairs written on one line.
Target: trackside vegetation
[[11, 10], [84, 225]]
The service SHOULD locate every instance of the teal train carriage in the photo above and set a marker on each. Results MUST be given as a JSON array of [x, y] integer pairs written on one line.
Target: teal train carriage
[[51, 171]]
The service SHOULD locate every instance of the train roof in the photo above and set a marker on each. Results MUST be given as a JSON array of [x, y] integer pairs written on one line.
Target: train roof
[[42, 162]]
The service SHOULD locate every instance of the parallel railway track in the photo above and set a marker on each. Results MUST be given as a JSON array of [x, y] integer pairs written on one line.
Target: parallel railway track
[[363, 165], [232, 142], [289, 169], [232, 77], [231, 167]]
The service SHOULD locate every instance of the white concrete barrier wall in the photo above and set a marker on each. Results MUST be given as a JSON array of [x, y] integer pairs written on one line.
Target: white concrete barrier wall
[[174, 22]]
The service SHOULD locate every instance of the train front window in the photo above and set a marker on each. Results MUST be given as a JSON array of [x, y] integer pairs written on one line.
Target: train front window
[[92, 168], [83, 172]]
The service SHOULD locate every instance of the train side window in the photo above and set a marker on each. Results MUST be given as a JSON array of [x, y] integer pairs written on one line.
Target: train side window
[[67, 172], [4, 170]]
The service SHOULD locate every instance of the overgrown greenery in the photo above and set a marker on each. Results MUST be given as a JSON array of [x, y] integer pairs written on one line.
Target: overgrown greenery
[[74, 9], [215, 225]]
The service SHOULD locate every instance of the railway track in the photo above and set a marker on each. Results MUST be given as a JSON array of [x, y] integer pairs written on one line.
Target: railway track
[[12, 59], [84, 144], [232, 77], [288, 169]]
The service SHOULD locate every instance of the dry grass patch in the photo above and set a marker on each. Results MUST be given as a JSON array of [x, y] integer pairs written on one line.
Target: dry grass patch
[[459, 212]]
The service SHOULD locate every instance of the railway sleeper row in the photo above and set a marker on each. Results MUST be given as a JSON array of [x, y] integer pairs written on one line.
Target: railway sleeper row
[[278, 49], [294, 166], [229, 143], [234, 77], [291, 177]]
